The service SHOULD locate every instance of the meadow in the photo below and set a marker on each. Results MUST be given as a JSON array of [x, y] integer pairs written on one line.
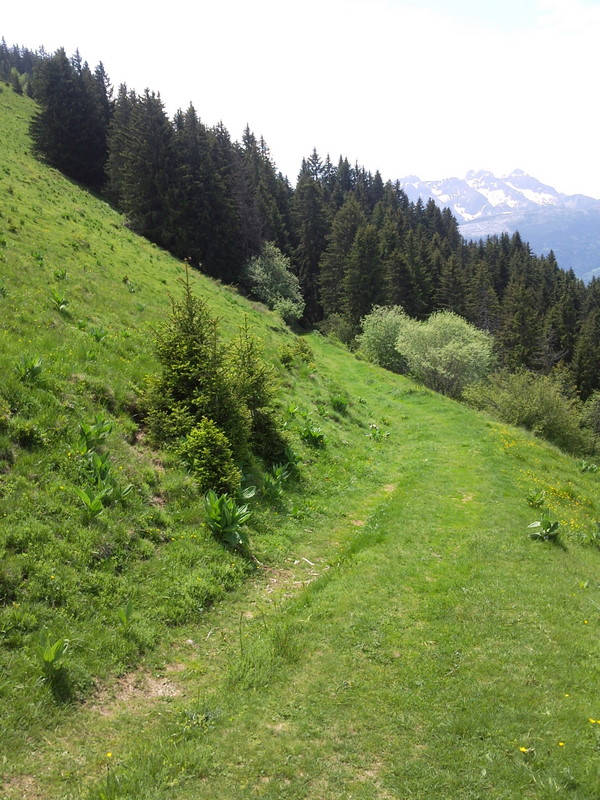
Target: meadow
[[397, 632]]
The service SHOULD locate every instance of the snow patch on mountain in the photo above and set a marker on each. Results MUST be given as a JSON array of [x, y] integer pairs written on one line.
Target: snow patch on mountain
[[486, 205], [481, 194]]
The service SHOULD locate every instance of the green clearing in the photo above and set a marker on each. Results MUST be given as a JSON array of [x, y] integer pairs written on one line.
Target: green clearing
[[403, 636]]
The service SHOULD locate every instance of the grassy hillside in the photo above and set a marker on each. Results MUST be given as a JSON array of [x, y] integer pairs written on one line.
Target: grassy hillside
[[402, 635]]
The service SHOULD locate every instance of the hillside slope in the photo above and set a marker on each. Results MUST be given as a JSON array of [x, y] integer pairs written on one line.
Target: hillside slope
[[402, 634]]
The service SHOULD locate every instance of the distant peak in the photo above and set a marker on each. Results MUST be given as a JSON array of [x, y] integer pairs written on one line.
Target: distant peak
[[517, 173], [472, 174], [412, 179]]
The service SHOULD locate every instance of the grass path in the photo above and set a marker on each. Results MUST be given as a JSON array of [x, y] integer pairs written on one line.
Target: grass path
[[405, 639], [436, 642]]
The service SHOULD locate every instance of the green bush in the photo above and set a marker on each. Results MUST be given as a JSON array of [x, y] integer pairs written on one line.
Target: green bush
[[380, 331], [195, 380], [208, 455], [289, 310], [590, 418], [446, 352], [534, 402], [271, 280]]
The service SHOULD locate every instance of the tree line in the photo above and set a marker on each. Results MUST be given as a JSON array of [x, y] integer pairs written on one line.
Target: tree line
[[354, 241]]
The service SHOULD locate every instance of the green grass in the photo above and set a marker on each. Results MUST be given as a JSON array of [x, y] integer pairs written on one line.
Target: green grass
[[403, 635]]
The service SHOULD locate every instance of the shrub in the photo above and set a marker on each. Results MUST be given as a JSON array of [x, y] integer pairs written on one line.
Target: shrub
[[289, 310], [27, 434], [446, 352], [339, 403], [271, 280], [590, 418], [337, 327], [207, 453], [534, 402], [195, 381], [380, 331]]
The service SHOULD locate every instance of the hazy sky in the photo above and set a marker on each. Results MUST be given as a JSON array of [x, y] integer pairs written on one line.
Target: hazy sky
[[426, 87]]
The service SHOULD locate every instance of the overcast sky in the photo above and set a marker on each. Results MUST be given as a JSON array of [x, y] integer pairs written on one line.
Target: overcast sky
[[425, 87]]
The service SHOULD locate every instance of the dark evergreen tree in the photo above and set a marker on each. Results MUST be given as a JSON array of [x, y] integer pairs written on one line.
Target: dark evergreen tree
[[118, 143], [520, 327], [451, 287], [311, 231], [481, 303], [148, 169], [193, 190], [70, 130], [334, 261], [363, 283]]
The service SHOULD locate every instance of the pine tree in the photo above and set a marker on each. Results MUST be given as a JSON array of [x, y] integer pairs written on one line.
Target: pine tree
[[451, 287], [586, 358], [311, 230], [363, 279], [148, 169], [70, 129], [334, 261], [520, 327], [481, 303], [117, 143]]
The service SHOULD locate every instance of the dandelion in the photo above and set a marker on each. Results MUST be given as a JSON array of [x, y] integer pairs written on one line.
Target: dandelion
[[592, 721], [585, 622], [109, 755], [524, 749], [561, 744]]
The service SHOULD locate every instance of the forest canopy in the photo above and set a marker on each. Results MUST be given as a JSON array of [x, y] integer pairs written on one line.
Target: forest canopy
[[352, 241]]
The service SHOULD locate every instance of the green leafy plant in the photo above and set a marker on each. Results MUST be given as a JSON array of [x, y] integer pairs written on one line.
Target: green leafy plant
[[124, 614], [271, 279], [59, 301], [98, 334], [101, 467], [29, 368], [312, 435], [376, 433], [60, 274], [275, 479], [536, 499], [247, 493], [93, 501], [545, 529], [226, 519], [587, 466], [92, 435], [119, 493], [51, 653]]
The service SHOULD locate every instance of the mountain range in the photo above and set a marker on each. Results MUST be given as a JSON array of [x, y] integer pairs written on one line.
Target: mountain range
[[486, 205]]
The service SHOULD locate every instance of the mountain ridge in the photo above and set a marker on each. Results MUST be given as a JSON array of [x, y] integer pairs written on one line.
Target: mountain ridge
[[487, 205]]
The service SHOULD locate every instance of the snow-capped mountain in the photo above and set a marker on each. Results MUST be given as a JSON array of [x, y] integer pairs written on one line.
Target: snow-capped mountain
[[485, 205]]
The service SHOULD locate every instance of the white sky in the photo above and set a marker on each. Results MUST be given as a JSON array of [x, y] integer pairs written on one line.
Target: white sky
[[426, 87]]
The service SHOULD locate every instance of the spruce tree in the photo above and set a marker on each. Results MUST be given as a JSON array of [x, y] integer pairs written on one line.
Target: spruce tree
[[148, 169], [334, 261], [311, 230]]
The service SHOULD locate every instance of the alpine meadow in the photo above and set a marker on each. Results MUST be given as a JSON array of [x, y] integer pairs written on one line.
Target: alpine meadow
[[298, 489]]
